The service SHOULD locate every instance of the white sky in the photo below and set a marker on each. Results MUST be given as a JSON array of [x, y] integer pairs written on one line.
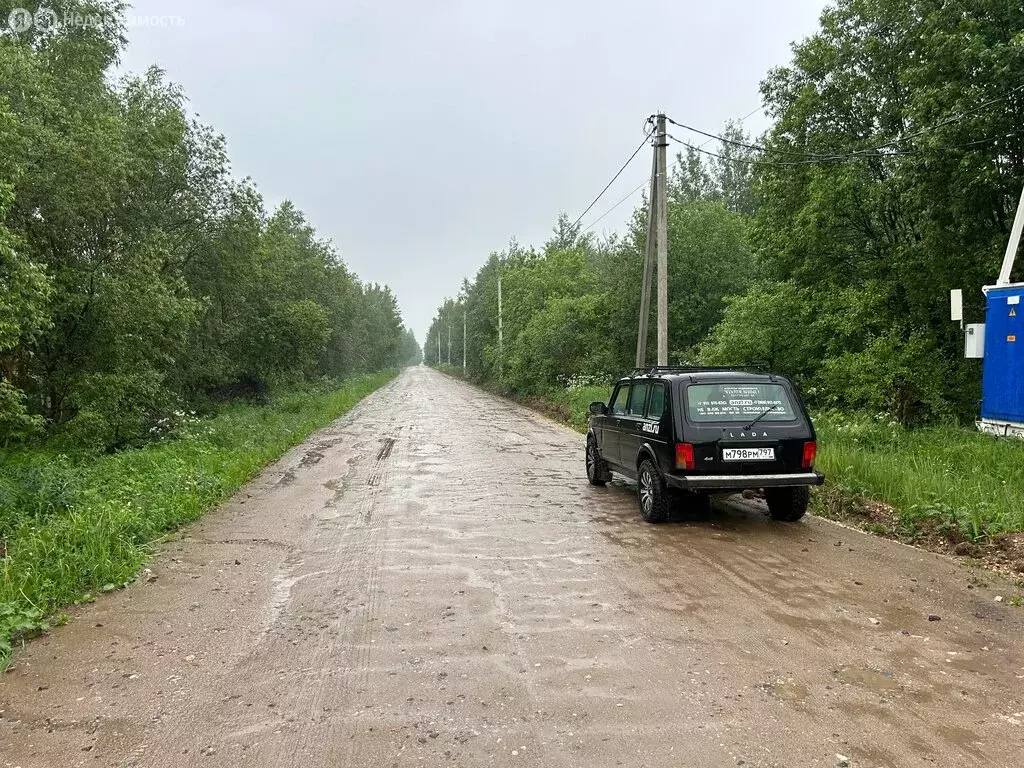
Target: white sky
[[421, 136]]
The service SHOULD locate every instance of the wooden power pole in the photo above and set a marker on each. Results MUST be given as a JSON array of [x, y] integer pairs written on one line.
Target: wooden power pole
[[464, 345], [645, 290], [501, 336], [449, 338], [661, 222], [656, 252]]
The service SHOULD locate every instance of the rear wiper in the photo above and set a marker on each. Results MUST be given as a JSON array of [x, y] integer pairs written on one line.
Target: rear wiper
[[751, 424]]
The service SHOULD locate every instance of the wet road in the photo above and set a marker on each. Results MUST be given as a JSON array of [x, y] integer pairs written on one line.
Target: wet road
[[431, 582]]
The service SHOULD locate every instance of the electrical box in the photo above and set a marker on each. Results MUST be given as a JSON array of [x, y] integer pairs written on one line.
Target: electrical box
[[1003, 382], [974, 341]]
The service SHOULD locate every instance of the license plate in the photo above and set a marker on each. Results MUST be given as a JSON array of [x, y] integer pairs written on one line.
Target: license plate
[[748, 454]]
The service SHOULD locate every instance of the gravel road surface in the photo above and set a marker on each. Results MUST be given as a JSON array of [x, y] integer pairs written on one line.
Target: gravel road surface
[[431, 582]]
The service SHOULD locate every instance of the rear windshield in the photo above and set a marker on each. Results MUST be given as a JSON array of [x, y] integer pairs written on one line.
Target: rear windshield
[[738, 402]]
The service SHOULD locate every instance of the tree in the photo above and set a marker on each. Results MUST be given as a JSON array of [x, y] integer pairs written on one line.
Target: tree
[[136, 276], [410, 352], [923, 93], [24, 295]]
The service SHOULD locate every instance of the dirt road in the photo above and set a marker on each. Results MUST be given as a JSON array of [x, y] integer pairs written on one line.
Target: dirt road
[[431, 582]]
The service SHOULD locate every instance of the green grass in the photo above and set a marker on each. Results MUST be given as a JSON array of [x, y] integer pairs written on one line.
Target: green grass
[[947, 474], [576, 401], [74, 526]]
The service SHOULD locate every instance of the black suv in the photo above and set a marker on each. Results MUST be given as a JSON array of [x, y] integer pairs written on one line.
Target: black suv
[[701, 431]]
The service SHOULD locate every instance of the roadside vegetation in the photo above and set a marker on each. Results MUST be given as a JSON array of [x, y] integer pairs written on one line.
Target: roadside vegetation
[[945, 481], [138, 276], [78, 524], [825, 249], [163, 332]]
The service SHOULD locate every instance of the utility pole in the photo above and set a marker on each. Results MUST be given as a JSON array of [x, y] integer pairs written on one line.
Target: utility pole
[[464, 345], [501, 336], [438, 339], [645, 290], [449, 338], [1013, 245], [661, 220]]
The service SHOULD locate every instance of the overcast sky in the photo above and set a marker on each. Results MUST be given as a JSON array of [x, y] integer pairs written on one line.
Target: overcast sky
[[420, 135]]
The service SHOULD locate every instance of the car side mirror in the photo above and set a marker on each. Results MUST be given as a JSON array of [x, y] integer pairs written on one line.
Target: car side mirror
[[598, 409]]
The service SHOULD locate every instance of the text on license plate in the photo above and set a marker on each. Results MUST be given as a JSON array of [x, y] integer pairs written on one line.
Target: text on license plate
[[748, 454]]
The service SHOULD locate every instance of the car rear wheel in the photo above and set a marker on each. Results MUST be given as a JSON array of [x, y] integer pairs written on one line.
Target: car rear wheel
[[788, 504], [652, 493], [597, 468]]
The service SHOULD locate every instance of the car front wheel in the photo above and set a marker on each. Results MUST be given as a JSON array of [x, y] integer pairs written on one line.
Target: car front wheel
[[787, 504], [597, 469], [652, 493]]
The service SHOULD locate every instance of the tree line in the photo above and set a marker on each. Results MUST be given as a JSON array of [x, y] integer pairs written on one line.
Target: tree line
[[826, 249], [138, 277]]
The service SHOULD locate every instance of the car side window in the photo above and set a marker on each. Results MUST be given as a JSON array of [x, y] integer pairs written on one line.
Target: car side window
[[656, 409], [620, 401], [638, 399]]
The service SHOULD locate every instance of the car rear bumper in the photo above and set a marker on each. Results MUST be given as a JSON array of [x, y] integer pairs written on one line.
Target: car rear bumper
[[742, 482]]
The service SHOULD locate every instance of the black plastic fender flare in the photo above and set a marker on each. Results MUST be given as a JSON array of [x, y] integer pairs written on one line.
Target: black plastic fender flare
[[647, 452]]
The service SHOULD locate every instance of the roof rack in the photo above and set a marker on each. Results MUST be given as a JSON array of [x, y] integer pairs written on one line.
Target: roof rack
[[656, 369]]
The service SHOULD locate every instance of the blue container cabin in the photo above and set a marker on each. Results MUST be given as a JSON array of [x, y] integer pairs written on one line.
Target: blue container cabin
[[1002, 403]]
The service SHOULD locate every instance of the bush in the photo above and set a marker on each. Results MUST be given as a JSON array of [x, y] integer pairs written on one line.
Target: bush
[[905, 379], [16, 424], [115, 410]]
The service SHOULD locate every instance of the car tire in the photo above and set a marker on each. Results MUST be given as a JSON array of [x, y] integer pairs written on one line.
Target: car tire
[[597, 468], [652, 493], [788, 504]]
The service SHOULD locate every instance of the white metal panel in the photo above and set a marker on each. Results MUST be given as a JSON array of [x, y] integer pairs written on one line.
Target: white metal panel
[[956, 305], [974, 341]]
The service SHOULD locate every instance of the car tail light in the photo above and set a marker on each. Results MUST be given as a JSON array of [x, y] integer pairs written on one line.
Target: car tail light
[[810, 454], [684, 456]]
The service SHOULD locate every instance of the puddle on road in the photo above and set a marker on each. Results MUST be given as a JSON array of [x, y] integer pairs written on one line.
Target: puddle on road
[[873, 680], [790, 690]]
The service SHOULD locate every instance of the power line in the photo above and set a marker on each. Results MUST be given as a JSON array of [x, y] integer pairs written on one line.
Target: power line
[[948, 121], [597, 221], [812, 158], [744, 160], [616, 176], [870, 152], [807, 158], [842, 158], [735, 143]]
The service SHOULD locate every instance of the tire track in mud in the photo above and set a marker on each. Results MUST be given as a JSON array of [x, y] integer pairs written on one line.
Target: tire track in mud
[[349, 550]]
